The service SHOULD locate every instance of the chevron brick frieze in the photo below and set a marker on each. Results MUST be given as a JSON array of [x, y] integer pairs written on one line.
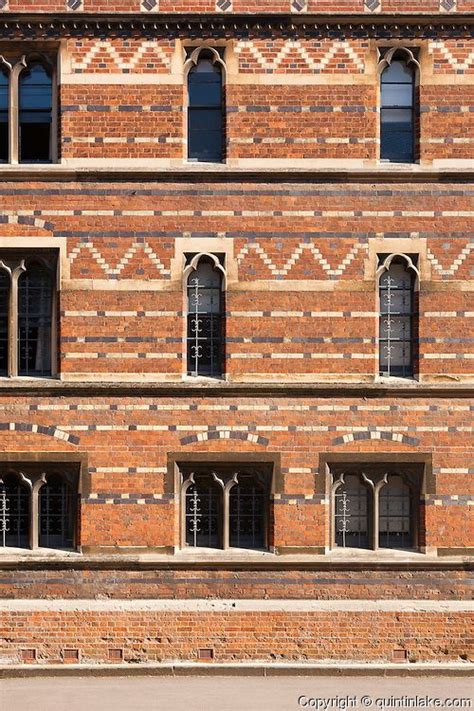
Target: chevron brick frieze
[[300, 56], [121, 56], [452, 57], [123, 261]]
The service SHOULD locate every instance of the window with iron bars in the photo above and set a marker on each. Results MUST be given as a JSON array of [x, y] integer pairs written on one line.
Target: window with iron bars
[[398, 316], [38, 508], [28, 313], [376, 507], [205, 318], [225, 507]]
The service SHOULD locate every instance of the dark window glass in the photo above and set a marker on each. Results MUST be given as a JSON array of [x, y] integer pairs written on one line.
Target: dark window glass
[[205, 111], [4, 117], [56, 511], [204, 327], [352, 513], [14, 513], [396, 290], [247, 507], [395, 515], [35, 116], [204, 513], [35, 293], [397, 115], [4, 299]]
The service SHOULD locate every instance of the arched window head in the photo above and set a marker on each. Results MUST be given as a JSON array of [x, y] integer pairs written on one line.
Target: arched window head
[[56, 513], [205, 316], [4, 102], [35, 114], [395, 517], [205, 107], [351, 509], [397, 109], [35, 311], [397, 317], [14, 512]]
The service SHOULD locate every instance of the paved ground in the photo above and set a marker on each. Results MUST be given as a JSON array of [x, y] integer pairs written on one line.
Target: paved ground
[[231, 693]]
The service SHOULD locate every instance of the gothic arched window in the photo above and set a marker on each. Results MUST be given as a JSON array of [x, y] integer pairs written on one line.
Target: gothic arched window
[[35, 294], [56, 514], [205, 108], [247, 513], [14, 512], [35, 114], [395, 519], [204, 512], [205, 318], [352, 528], [397, 109], [397, 318]]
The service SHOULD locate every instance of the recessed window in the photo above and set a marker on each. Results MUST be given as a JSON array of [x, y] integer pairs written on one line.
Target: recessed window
[[27, 313], [375, 506], [35, 115], [397, 316], [27, 108], [46, 490], [225, 506], [398, 108], [205, 317], [205, 108]]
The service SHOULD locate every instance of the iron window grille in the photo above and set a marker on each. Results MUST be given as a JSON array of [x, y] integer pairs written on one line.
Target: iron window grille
[[206, 106], [225, 508], [38, 508], [375, 508], [205, 322], [398, 316], [398, 106], [28, 108], [28, 314]]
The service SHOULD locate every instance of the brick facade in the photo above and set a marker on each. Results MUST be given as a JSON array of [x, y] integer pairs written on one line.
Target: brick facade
[[300, 216]]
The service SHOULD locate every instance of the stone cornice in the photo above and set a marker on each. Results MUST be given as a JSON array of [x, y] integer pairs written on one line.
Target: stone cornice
[[49, 26], [53, 388]]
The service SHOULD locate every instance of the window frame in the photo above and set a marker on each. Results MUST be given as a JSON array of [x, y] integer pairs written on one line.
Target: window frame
[[385, 57], [14, 263], [14, 68], [191, 60], [384, 263], [33, 470], [418, 464]]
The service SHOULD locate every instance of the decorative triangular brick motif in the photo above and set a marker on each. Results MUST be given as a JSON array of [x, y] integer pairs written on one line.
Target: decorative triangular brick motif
[[3, 5], [299, 5], [372, 5], [224, 5], [448, 5], [74, 5]]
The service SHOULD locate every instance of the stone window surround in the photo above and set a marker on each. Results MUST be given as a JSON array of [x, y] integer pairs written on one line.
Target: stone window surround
[[394, 460], [35, 476], [14, 68], [14, 272]]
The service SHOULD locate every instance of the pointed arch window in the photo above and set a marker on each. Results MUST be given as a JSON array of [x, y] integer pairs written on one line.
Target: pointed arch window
[[398, 106], [376, 507], [225, 507], [397, 316], [205, 323], [28, 106], [28, 314], [205, 107], [35, 114]]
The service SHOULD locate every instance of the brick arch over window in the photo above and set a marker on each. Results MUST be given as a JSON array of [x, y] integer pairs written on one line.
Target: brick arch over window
[[225, 434], [25, 220], [49, 431], [380, 435]]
